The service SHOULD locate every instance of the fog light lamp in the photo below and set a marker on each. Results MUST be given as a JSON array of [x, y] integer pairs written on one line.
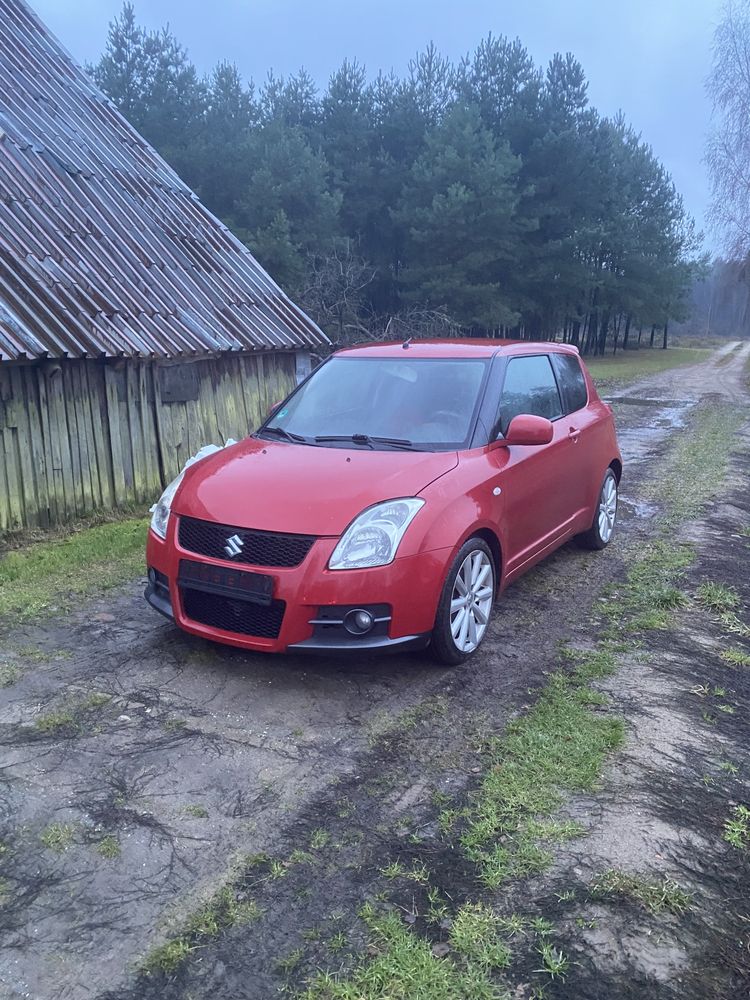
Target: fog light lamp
[[358, 621]]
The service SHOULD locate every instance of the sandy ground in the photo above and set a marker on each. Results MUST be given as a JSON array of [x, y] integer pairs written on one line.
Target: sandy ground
[[193, 756]]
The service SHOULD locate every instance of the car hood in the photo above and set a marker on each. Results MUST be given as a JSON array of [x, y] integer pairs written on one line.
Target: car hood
[[301, 489]]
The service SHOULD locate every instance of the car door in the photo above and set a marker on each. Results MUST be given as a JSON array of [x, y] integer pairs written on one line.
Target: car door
[[536, 503]]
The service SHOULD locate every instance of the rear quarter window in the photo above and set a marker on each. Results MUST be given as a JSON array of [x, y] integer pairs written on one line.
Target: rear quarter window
[[571, 380]]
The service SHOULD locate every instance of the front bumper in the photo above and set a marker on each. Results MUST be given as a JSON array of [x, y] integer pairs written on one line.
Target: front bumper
[[411, 586]]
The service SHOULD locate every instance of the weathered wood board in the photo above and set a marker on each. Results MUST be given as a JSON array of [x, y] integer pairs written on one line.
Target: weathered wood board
[[83, 435]]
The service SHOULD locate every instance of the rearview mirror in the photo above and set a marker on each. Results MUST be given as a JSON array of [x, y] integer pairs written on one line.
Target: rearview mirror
[[528, 429]]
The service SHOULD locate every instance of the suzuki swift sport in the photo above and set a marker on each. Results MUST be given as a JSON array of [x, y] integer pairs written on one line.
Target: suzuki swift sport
[[389, 500]]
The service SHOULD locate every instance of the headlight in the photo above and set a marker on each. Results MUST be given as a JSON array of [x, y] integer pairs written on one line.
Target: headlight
[[160, 516], [373, 537]]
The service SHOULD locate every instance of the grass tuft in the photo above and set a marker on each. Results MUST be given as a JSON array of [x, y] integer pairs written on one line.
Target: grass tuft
[[58, 837], [554, 962], [737, 828], [475, 934], [9, 674], [736, 657], [654, 895], [109, 847], [717, 597], [196, 810]]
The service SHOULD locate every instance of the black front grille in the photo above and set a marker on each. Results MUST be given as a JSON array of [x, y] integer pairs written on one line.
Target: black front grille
[[245, 617], [259, 548]]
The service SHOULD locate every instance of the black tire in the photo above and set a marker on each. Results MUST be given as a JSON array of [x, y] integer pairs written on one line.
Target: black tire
[[443, 647], [593, 539]]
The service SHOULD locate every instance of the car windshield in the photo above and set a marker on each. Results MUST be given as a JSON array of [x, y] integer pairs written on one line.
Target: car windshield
[[425, 403]]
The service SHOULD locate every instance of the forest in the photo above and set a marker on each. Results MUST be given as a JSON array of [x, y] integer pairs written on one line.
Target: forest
[[486, 197]]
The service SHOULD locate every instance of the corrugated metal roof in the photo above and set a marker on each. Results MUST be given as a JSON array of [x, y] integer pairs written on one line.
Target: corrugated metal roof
[[104, 251]]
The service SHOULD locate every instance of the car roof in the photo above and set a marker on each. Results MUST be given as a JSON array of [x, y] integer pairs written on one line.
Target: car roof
[[454, 347]]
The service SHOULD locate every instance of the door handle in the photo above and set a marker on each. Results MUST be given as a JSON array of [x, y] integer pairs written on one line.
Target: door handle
[[574, 434]]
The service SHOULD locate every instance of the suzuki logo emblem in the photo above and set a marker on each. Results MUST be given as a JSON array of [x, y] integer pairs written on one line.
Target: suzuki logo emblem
[[234, 546]]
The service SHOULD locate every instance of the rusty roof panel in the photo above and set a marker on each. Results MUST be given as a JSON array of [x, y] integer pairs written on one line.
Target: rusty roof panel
[[104, 251]]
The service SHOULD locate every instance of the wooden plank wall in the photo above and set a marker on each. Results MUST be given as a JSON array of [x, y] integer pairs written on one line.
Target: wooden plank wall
[[82, 436]]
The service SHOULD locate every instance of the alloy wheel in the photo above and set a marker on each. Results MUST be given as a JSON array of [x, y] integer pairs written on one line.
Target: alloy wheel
[[471, 601], [607, 508]]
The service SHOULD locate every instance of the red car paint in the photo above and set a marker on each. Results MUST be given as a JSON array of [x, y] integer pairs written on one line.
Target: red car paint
[[525, 500]]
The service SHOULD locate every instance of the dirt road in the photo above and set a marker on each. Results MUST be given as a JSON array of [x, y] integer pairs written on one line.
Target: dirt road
[[141, 767]]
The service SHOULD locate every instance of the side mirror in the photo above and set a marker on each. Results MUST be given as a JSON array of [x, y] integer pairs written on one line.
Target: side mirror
[[529, 429], [273, 408]]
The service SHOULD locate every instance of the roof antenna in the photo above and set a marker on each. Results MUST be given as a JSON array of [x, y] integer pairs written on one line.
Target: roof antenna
[[407, 343]]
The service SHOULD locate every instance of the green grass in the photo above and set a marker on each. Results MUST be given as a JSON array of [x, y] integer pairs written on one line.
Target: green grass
[[558, 747], [405, 965], [196, 810], [718, 597], [56, 722], [109, 847], [70, 717], [58, 837], [737, 828], [319, 839], [417, 873], [225, 909], [736, 657], [9, 674], [698, 463], [654, 894], [52, 574], [475, 934], [626, 366], [554, 963], [651, 593]]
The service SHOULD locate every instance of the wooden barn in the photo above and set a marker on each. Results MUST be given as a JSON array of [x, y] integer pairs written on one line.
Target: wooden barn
[[134, 327]]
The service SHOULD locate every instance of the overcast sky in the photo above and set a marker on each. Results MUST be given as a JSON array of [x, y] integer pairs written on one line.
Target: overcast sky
[[649, 58]]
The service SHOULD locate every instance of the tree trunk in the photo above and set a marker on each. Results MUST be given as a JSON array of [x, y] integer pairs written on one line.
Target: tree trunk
[[617, 334], [653, 334], [592, 331], [604, 327], [664, 342], [626, 334]]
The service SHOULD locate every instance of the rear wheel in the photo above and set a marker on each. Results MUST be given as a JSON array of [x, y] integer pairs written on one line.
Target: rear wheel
[[600, 533], [465, 604]]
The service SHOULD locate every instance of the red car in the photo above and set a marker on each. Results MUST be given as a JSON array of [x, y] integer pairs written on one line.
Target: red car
[[389, 500]]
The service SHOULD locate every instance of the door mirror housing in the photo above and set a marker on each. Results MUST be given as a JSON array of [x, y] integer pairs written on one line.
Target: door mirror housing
[[528, 429], [273, 408]]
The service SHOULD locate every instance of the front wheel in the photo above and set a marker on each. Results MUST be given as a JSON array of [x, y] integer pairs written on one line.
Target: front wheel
[[465, 604], [600, 533]]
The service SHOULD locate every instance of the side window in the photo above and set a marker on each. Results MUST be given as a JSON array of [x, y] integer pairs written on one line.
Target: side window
[[572, 383], [529, 387]]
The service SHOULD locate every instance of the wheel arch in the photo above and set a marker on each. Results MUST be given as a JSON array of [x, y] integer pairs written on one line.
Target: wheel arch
[[493, 542], [616, 466]]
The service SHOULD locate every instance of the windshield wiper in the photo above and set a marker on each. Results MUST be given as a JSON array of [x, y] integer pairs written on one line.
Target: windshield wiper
[[287, 435], [369, 440]]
